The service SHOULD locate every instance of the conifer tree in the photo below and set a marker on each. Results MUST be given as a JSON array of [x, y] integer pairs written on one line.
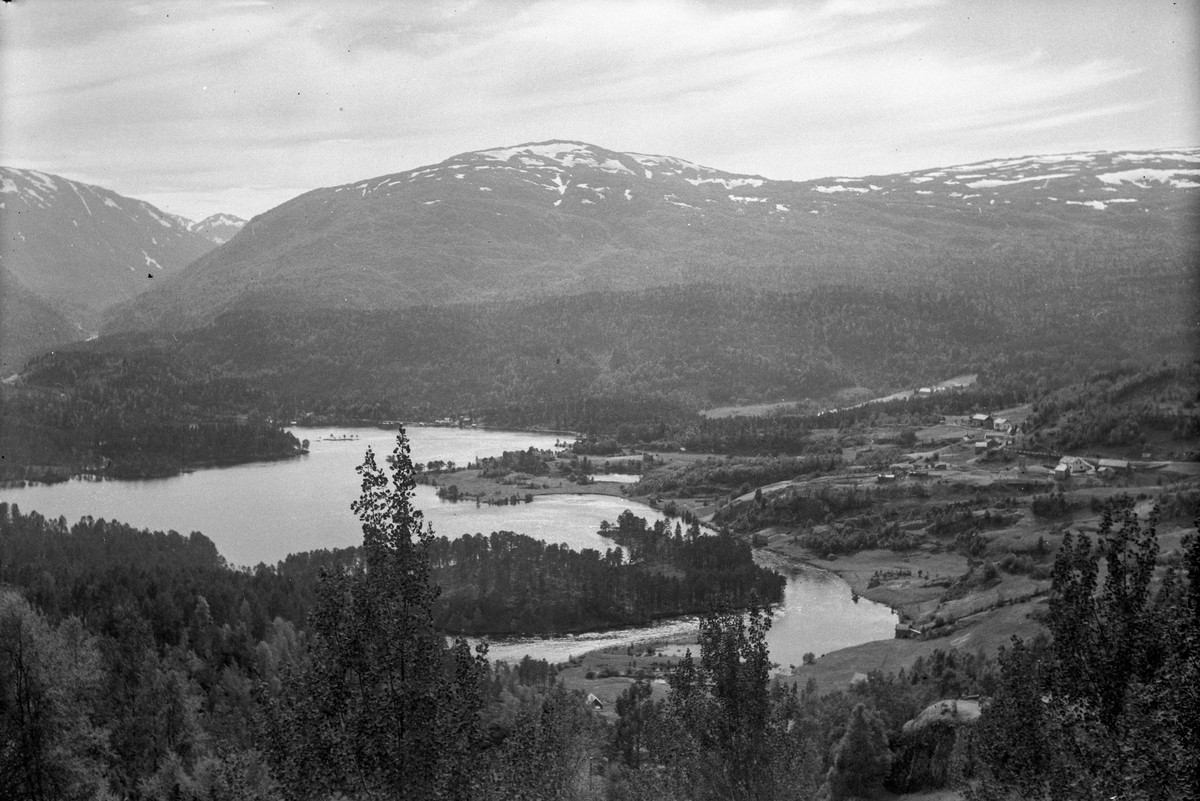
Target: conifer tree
[[861, 759], [384, 709]]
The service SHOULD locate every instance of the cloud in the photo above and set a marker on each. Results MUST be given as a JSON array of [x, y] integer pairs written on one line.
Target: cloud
[[177, 100]]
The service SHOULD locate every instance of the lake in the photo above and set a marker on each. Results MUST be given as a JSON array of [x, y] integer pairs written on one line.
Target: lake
[[261, 512]]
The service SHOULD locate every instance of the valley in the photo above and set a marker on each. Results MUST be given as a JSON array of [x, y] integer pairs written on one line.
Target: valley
[[889, 405]]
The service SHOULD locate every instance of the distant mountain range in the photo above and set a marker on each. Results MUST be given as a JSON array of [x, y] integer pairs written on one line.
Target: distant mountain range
[[560, 218], [220, 228], [71, 250]]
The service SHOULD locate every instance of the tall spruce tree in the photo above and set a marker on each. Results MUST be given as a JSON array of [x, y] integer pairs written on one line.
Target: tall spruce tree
[[384, 708]]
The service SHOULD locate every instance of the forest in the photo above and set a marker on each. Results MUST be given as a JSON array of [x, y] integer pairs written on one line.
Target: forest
[[135, 416], [140, 665], [510, 583], [153, 402]]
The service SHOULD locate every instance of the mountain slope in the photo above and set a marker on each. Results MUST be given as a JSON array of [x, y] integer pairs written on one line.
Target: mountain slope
[[28, 324], [80, 248], [567, 217]]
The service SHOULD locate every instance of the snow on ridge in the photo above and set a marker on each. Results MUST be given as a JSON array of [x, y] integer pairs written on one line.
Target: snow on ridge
[[841, 188], [1157, 155], [43, 181], [549, 150], [110, 202], [648, 160], [612, 165], [728, 183], [566, 154], [988, 183], [8, 185], [221, 218], [920, 179], [1098, 205], [151, 262], [150, 210], [1142, 176], [744, 199]]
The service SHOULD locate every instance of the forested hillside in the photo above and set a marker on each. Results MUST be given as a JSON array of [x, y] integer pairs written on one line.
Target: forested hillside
[[132, 417], [637, 366]]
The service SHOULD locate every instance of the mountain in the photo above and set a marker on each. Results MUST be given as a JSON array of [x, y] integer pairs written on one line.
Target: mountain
[[28, 324], [219, 228], [71, 249], [558, 218]]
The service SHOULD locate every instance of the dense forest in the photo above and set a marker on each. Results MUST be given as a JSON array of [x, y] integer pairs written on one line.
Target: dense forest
[[120, 677], [511, 583]]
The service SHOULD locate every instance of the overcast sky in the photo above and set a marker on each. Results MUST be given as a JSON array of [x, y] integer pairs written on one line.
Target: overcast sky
[[239, 105]]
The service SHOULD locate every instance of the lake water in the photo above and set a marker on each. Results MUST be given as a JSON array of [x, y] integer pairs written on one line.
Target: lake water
[[262, 512]]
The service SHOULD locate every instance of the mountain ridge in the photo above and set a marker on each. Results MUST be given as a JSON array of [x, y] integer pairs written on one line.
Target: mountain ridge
[[564, 217]]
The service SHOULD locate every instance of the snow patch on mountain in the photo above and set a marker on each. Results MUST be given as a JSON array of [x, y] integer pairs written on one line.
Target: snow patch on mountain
[[43, 181], [564, 154], [1144, 176], [1158, 156], [728, 183], [81, 198], [988, 183]]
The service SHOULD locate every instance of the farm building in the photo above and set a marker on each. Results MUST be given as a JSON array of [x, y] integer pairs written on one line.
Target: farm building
[[1117, 466], [981, 420], [1078, 466], [986, 445]]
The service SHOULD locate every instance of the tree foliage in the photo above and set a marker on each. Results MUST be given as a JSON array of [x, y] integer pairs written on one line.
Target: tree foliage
[[384, 708], [861, 760], [1104, 710]]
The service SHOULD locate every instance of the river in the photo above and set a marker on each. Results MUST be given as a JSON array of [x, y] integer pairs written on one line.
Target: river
[[263, 511]]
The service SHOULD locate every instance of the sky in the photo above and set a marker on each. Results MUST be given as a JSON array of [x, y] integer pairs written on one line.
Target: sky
[[239, 105]]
